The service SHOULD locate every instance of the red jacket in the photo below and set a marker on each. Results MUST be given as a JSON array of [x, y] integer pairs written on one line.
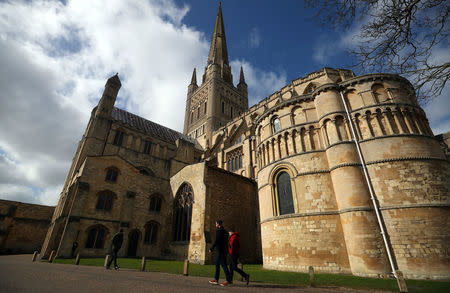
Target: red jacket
[[234, 245]]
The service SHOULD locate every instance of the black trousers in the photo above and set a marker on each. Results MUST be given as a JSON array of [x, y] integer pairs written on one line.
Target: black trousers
[[233, 266], [113, 258]]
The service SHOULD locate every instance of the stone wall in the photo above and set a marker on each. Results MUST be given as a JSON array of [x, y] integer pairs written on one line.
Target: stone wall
[[23, 226]]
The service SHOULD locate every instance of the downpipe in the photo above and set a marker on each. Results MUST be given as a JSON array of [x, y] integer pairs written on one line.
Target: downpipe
[[369, 185]]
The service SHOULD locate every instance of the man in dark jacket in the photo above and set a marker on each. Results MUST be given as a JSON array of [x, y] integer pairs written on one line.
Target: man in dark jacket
[[116, 244], [222, 250], [234, 247]]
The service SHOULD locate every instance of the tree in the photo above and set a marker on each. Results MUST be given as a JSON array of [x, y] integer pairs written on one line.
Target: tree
[[408, 37]]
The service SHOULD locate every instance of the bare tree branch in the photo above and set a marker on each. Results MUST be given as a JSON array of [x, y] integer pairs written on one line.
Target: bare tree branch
[[400, 36]]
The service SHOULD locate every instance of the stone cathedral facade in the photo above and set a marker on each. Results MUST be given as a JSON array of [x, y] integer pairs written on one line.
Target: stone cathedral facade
[[285, 172]]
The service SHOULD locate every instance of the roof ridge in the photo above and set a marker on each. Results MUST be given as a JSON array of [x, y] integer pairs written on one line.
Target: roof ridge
[[150, 127]]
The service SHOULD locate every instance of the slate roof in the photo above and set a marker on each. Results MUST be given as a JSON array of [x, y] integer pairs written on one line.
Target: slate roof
[[151, 128]]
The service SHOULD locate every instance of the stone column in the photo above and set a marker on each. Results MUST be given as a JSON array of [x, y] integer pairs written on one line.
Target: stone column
[[385, 115], [294, 145], [307, 140], [408, 123], [397, 120]]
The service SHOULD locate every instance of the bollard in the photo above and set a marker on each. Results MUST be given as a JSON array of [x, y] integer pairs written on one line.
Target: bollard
[[143, 264], [52, 256], [401, 282], [186, 268], [311, 277], [35, 256], [77, 259], [107, 260], [241, 266]]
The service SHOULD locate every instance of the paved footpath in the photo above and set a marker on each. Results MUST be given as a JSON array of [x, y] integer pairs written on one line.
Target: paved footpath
[[19, 274]]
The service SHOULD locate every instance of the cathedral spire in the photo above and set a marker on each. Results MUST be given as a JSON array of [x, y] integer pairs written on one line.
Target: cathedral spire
[[241, 76], [194, 77], [218, 51]]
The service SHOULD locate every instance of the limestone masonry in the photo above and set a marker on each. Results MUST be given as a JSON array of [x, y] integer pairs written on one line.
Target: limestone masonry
[[285, 173]]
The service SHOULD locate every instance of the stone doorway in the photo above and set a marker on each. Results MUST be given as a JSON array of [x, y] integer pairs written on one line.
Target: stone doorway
[[133, 240]]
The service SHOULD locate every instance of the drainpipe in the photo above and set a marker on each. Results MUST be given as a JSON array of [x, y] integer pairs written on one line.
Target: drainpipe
[[369, 184]]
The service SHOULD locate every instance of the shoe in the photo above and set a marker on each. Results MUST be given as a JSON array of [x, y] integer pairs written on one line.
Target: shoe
[[214, 282], [247, 279], [226, 283], [108, 268], [116, 267]]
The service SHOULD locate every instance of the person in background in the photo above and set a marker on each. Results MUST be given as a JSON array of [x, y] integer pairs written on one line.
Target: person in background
[[234, 247], [222, 251], [116, 244]]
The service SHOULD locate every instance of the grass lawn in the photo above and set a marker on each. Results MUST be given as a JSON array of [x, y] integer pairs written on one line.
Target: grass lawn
[[258, 274]]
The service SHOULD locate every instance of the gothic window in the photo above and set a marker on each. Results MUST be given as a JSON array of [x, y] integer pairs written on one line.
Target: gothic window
[[198, 112], [118, 138], [231, 112], [204, 108], [284, 194], [276, 126], [183, 202], [147, 147], [151, 233], [223, 107], [155, 203], [105, 201], [111, 175], [309, 89], [96, 237], [234, 160]]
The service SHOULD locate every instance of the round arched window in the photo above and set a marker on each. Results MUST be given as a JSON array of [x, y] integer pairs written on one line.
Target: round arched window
[[284, 194], [276, 125]]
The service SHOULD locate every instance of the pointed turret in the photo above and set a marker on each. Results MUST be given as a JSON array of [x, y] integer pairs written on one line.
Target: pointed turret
[[193, 86], [194, 77], [241, 76], [242, 87], [106, 103], [218, 53]]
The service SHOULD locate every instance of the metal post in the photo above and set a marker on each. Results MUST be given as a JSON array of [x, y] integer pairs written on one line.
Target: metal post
[[77, 259], [52, 256], [311, 276], [186, 268], [106, 260], [34, 256], [369, 185], [143, 264]]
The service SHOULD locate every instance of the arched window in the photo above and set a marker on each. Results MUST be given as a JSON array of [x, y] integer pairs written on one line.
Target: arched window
[[155, 203], [151, 233], [111, 174], [118, 138], [380, 93], [183, 202], [105, 201], [309, 89], [96, 237], [284, 194], [276, 125]]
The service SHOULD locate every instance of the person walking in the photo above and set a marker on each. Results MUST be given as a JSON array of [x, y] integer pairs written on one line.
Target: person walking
[[221, 259], [116, 244], [234, 247]]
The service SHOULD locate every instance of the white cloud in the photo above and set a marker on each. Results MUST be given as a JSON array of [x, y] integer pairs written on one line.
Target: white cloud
[[54, 62], [260, 83], [255, 38]]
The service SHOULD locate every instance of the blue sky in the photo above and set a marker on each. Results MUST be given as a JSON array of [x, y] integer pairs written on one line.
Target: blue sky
[[55, 58]]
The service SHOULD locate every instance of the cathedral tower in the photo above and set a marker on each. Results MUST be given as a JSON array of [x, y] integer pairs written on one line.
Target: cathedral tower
[[216, 101]]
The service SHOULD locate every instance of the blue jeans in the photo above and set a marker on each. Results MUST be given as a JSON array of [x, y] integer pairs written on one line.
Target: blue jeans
[[221, 260]]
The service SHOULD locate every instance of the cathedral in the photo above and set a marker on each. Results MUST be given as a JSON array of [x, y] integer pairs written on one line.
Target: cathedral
[[335, 171]]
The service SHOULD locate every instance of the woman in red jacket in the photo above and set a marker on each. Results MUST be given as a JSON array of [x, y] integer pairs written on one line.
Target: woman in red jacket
[[234, 247]]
